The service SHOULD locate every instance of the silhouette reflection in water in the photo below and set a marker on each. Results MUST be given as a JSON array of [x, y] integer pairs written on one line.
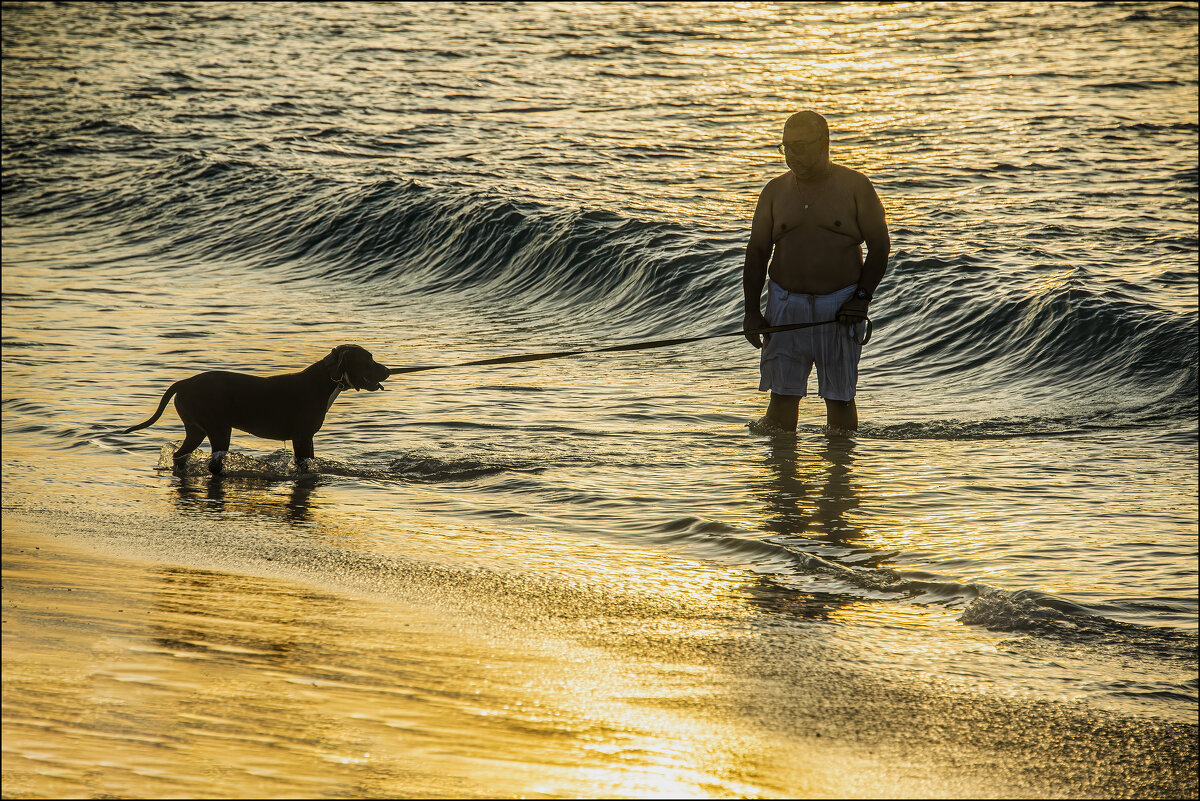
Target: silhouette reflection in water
[[809, 497], [256, 496], [809, 503]]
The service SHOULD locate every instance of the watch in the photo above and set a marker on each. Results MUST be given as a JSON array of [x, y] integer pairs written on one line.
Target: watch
[[862, 294]]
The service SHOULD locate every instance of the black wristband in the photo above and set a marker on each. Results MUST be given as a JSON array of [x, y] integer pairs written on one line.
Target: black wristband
[[862, 294]]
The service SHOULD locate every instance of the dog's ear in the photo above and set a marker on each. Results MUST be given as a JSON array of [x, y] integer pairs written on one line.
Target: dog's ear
[[333, 362]]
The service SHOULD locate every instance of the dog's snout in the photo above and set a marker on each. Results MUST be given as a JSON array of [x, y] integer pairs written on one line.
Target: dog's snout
[[374, 375]]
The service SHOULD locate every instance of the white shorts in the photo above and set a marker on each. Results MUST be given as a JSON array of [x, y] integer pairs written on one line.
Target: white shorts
[[789, 356]]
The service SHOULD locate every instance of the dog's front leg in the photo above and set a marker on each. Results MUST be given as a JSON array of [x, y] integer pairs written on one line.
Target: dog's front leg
[[302, 447], [216, 463]]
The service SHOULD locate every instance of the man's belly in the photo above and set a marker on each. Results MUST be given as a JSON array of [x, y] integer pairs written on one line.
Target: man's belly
[[816, 276], [816, 264]]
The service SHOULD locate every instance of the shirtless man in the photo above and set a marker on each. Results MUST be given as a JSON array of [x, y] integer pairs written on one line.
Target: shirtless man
[[815, 218]]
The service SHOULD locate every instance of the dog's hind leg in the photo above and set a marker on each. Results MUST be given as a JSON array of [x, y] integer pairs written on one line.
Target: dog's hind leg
[[194, 436], [219, 440]]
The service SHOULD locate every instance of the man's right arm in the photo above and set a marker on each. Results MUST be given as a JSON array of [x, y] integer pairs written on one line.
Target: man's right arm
[[754, 271]]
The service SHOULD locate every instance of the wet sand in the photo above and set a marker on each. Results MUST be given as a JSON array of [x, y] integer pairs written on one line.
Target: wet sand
[[127, 675]]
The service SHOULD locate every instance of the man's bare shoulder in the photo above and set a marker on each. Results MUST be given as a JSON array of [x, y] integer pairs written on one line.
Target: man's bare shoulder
[[773, 186], [849, 177]]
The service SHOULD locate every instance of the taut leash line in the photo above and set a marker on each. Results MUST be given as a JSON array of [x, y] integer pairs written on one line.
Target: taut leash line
[[657, 343]]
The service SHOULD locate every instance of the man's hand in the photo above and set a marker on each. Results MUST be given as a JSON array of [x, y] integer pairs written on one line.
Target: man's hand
[[752, 322], [853, 311]]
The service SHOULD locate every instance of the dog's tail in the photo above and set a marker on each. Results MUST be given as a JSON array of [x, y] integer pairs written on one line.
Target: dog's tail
[[162, 404]]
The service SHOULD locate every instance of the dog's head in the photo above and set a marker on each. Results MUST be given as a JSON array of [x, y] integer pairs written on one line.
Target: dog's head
[[354, 365]]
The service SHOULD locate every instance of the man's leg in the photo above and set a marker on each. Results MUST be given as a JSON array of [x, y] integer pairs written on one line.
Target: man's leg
[[783, 411], [841, 414]]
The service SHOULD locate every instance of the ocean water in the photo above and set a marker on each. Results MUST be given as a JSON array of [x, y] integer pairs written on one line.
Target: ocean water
[[598, 538]]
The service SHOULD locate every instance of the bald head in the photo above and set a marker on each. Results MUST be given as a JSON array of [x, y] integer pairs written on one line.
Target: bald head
[[807, 125]]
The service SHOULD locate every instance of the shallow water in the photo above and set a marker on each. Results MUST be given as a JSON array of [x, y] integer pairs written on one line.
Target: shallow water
[[194, 187]]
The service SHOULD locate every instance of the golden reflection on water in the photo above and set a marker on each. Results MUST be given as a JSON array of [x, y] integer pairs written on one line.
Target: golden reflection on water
[[172, 680]]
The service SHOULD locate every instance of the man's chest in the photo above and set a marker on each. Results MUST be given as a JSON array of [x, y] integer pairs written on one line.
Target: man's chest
[[812, 209]]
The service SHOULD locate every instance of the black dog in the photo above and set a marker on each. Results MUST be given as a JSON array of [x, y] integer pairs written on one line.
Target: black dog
[[290, 406]]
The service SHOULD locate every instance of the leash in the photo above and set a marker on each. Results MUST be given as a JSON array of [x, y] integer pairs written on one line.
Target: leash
[[657, 343]]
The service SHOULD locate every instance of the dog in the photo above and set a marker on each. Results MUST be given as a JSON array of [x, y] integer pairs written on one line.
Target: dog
[[288, 407]]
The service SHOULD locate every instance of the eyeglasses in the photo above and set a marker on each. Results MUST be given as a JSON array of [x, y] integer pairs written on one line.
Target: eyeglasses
[[796, 148]]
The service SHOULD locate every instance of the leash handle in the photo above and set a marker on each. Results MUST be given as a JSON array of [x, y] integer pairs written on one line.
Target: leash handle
[[657, 343]]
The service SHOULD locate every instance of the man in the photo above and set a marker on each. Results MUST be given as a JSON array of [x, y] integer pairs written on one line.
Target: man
[[810, 224]]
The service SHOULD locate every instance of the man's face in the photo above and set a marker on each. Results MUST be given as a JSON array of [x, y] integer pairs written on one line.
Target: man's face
[[805, 151]]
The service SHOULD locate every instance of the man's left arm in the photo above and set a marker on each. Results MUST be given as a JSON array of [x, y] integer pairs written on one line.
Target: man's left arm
[[872, 223]]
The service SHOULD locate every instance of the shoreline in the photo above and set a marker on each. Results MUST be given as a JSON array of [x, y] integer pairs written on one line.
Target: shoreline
[[122, 674]]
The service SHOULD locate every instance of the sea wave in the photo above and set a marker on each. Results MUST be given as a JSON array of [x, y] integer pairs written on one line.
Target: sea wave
[[864, 573], [1072, 341], [1053, 333]]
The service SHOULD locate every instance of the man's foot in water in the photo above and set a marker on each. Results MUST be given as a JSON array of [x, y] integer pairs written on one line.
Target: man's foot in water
[[765, 425], [833, 431]]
